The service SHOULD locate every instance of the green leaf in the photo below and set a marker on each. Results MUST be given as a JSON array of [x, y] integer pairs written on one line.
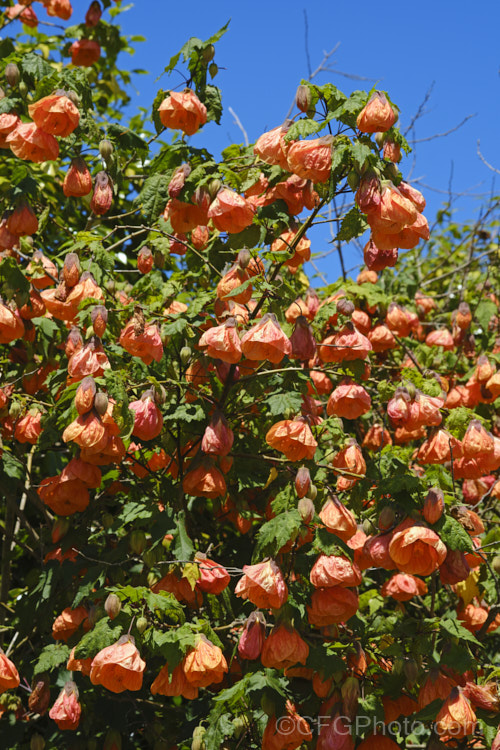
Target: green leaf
[[484, 313], [102, 635], [302, 128], [34, 67], [173, 644], [352, 225], [283, 403], [274, 534], [329, 544], [153, 196], [116, 387], [126, 139], [454, 628], [453, 534], [186, 413], [13, 281], [211, 97], [360, 154], [50, 657], [183, 546]]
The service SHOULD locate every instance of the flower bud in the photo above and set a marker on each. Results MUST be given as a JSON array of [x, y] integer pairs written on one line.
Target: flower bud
[[306, 509], [312, 492], [103, 194], [145, 260], [208, 53], [112, 606], [93, 15], [350, 692], [71, 269], [99, 318], [101, 402], [213, 69], [85, 394], [39, 698], [12, 74], [303, 98], [345, 307], [106, 149], [185, 354], [433, 505], [244, 257], [213, 188], [137, 541], [496, 564], [302, 481], [198, 743], [386, 518], [141, 624]]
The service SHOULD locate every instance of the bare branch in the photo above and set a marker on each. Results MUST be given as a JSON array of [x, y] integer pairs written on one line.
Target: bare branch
[[421, 110], [448, 132], [493, 169], [237, 122]]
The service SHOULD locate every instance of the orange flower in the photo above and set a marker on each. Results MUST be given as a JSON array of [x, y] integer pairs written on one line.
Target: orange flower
[[78, 665], [332, 605], [439, 449], [283, 648], [266, 340], [252, 637], [22, 220], [344, 346], [376, 550], [68, 622], [78, 180], [205, 664], [28, 428], [141, 339], [27, 16], [233, 279], [87, 431], [350, 464], [437, 686], [66, 711], [177, 685], [9, 676], [184, 217], [148, 419], [377, 115], [214, 578], [301, 251], [289, 732], [60, 8], [118, 667], [333, 570], [32, 143], [230, 212], [456, 718], [8, 123], [294, 438], [11, 325], [416, 549], [183, 110], [338, 519], [55, 114], [311, 160], [222, 342], [442, 338], [349, 400], [272, 148], [376, 438], [218, 437], [204, 481], [403, 587], [263, 584], [85, 52]]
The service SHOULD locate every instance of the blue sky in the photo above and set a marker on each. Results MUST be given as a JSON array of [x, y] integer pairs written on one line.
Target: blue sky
[[407, 49]]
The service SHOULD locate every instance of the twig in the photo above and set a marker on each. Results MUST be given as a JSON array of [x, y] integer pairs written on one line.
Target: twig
[[493, 169], [237, 122], [448, 132]]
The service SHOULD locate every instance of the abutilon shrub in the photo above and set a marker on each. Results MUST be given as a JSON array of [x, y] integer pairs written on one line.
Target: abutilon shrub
[[237, 511]]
